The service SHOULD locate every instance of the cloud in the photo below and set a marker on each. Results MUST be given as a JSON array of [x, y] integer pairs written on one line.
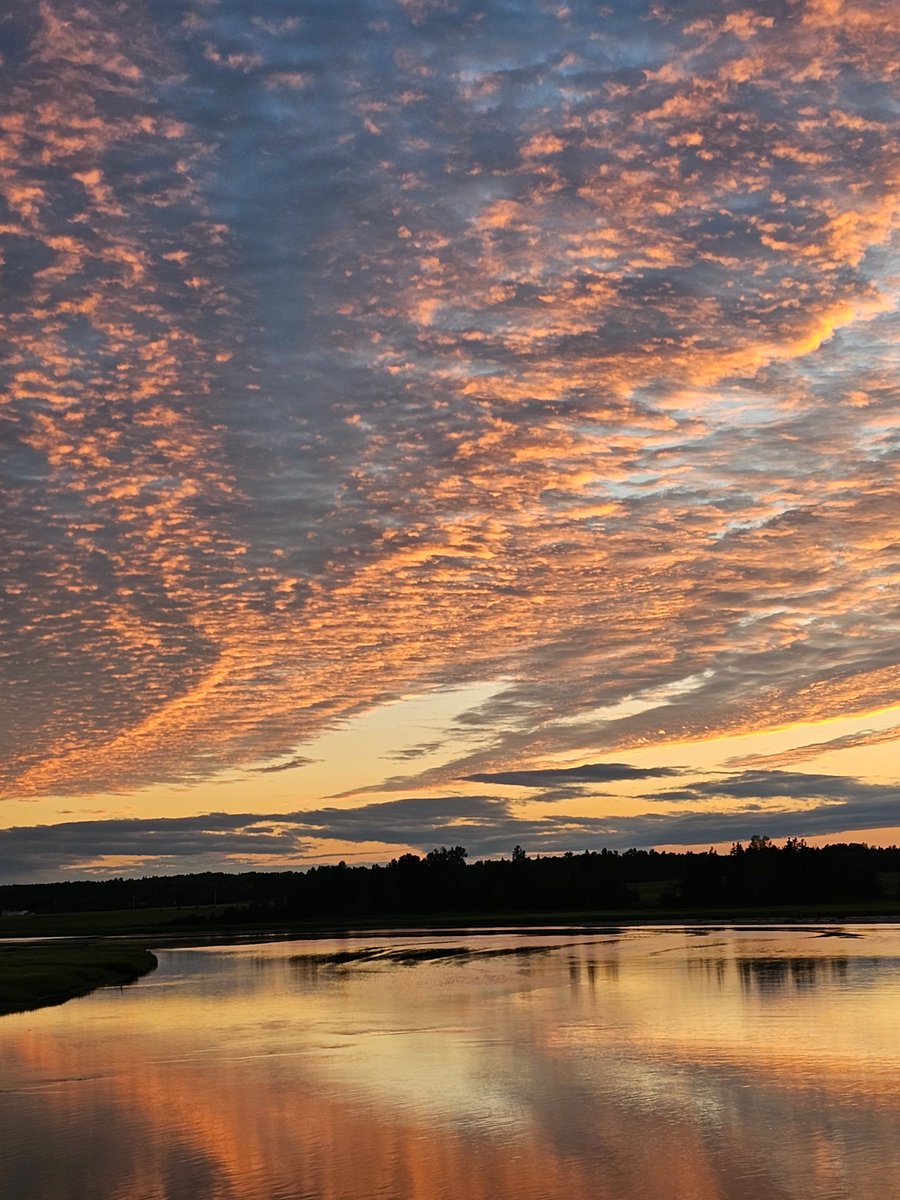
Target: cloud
[[589, 773], [776, 803], [787, 785], [848, 741], [292, 764], [352, 359], [237, 840]]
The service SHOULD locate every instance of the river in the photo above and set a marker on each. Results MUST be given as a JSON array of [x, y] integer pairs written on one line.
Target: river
[[634, 1064]]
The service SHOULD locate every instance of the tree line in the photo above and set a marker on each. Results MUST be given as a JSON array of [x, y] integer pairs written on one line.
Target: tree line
[[756, 875]]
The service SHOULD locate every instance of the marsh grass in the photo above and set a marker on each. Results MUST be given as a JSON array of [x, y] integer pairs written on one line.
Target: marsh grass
[[34, 975]]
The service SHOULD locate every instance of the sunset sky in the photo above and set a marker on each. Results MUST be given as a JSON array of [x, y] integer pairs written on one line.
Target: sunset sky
[[433, 422]]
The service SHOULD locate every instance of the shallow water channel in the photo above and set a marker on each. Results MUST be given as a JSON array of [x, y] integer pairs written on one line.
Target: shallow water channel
[[635, 1064]]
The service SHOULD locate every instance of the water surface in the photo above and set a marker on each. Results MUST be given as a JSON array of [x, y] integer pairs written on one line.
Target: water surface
[[638, 1064]]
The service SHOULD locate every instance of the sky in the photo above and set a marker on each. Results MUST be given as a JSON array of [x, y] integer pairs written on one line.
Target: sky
[[436, 422]]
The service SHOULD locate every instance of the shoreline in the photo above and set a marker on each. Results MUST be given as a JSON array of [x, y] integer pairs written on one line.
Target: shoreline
[[35, 975], [41, 971]]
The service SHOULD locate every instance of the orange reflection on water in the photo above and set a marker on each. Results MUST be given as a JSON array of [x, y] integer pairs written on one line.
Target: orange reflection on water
[[652, 1064]]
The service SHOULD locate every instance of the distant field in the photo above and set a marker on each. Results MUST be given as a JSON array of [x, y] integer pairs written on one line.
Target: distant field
[[165, 926], [116, 922]]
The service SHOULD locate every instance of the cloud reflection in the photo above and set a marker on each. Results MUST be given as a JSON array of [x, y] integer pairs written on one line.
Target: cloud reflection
[[236, 1074]]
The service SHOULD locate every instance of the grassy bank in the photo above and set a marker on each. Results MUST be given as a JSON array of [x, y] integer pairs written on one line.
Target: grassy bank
[[32, 976]]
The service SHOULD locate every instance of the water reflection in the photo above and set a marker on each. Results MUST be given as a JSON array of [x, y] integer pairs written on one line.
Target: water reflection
[[771, 975], [652, 1065], [714, 970]]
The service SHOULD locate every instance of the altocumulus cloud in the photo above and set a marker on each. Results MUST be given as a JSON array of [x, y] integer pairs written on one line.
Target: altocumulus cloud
[[409, 346]]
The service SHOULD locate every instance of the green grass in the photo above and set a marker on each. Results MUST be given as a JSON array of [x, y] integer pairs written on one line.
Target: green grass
[[34, 975]]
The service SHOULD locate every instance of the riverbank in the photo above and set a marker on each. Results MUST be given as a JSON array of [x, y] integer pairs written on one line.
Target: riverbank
[[37, 975], [158, 927]]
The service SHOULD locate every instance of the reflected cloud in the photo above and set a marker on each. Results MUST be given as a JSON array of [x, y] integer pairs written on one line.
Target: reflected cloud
[[235, 1072]]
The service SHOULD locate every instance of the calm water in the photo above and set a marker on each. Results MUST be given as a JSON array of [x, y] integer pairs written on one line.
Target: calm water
[[674, 1064]]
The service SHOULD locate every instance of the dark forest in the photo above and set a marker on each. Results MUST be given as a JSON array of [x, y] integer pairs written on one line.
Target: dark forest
[[758, 875]]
